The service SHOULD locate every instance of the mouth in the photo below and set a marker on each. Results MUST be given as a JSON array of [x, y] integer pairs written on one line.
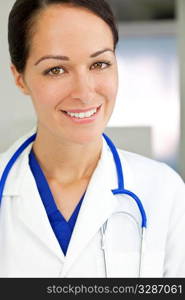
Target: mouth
[[83, 116]]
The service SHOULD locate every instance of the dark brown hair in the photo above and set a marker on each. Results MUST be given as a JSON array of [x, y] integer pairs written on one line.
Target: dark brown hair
[[22, 16]]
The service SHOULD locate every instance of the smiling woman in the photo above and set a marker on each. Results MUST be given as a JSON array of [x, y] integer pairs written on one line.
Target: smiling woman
[[62, 186], [55, 73]]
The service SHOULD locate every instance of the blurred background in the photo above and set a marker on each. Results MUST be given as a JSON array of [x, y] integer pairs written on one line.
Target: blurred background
[[149, 115]]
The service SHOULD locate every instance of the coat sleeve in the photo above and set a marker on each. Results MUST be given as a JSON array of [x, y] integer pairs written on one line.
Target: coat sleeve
[[174, 264]]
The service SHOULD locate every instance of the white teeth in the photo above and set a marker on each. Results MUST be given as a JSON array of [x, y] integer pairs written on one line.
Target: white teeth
[[83, 115]]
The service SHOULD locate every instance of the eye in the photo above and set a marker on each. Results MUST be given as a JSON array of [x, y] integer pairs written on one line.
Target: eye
[[101, 65], [54, 71]]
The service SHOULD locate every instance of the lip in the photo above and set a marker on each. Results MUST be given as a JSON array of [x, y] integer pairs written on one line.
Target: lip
[[88, 120], [81, 110]]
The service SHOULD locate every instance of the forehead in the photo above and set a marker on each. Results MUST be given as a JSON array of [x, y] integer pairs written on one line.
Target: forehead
[[70, 28]]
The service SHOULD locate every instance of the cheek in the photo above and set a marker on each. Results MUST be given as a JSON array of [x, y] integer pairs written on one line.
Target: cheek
[[47, 93], [108, 88]]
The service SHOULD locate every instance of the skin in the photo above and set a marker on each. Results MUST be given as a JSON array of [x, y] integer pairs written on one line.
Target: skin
[[68, 152]]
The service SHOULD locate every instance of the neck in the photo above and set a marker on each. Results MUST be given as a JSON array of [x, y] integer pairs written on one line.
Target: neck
[[65, 161]]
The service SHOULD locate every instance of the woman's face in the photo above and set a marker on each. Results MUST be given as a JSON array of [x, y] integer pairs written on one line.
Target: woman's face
[[71, 73]]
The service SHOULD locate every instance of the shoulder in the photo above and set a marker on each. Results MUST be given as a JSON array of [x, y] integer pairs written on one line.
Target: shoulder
[[7, 155], [150, 170], [139, 161], [158, 185]]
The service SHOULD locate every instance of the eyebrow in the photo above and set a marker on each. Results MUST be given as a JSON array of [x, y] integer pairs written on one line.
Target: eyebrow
[[60, 57]]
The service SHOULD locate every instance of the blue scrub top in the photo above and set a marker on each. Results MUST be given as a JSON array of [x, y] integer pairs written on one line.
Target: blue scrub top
[[63, 229]]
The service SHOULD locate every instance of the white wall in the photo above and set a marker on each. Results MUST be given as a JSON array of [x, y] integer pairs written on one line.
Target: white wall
[[16, 112]]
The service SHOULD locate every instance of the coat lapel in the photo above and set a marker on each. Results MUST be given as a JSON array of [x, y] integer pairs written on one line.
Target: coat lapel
[[98, 204], [33, 214], [28, 207]]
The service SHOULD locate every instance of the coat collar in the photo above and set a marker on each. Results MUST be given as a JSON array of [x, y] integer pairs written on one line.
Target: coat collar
[[98, 205], [14, 180]]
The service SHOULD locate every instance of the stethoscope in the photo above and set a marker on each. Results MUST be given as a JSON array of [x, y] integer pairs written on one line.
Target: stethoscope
[[123, 191], [119, 190]]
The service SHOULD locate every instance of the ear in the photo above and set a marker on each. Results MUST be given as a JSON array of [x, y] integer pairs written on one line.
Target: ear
[[19, 80]]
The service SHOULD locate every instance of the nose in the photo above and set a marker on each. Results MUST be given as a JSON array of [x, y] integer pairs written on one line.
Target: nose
[[83, 88]]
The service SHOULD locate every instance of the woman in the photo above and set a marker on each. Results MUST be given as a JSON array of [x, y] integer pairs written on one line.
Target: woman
[[63, 57]]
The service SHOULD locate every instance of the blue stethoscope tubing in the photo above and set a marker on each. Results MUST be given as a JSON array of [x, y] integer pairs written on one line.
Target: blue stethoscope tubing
[[119, 190]]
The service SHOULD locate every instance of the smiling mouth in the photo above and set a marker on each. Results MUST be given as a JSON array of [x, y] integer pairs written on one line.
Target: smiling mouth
[[83, 115]]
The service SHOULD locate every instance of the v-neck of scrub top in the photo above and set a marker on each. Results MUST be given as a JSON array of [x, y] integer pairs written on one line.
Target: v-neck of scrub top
[[63, 229]]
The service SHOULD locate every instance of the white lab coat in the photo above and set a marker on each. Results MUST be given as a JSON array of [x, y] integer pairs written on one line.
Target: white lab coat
[[29, 248]]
